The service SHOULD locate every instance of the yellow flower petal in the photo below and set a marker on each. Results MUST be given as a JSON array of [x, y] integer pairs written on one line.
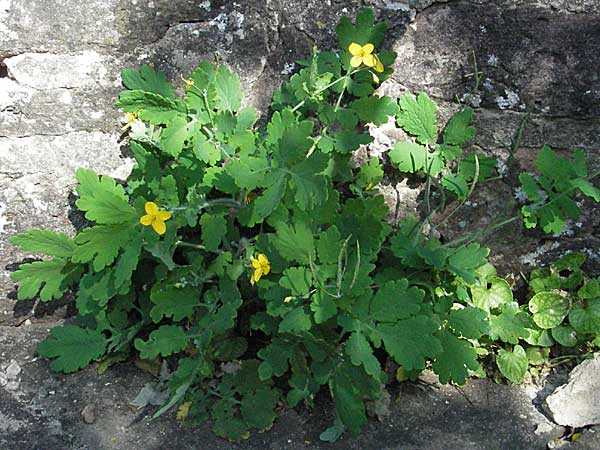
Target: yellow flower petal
[[355, 49], [255, 263], [378, 65], [367, 49], [368, 60], [266, 269], [375, 78], [151, 208], [146, 220], [163, 215], [256, 276], [262, 259], [356, 61], [159, 226]]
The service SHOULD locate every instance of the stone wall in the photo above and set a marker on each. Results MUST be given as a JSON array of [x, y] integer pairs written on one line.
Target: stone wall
[[59, 76]]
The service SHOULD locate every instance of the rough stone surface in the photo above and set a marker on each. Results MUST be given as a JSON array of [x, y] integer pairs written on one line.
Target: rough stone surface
[[59, 77], [577, 403]]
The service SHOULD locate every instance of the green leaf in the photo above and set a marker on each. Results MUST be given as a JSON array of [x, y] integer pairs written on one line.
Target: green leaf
[[365, 31], [371, 174], [507, 326], [164, 341], [590, 289], [127, 261], [150, 107], [586, 318], [361, 353], [374, 109], [417, 117], [549, 308], [530, 187], [101, 244], [102, 200], [297, 279], [334, 432], [295, 242], [257, 408], [347, 141], [350, 386], [171, 301], [214, 229], [225, 421], [149, 80], [466, 260], [323, 307], [457, 357], [329, 245], [467, 167], [395, 300], [410, 157], [513, 365], [73, 347], [175, 135], [46, 242], [457, 184], [205, 150], [296, 321], [275, 358], [228, 90], [586, 188], [470, 323], [309, 183], [565, 335], [265, 204], [499, 293], [459, 131], [410, 342], [54, 275]]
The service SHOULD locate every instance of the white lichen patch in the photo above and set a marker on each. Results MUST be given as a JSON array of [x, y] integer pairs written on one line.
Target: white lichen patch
[[393, 5], [510, 101], [288, 69], [532, 258], [492, 60], [205, 5], [472, 99], [220, 22], [382, 142]]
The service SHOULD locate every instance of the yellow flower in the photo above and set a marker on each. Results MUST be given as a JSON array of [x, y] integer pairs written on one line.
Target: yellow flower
[[261, 265], [378, 65], [129, 118], [155, 217], [378, 68], [188, 83], [250, 196], [362, 54]]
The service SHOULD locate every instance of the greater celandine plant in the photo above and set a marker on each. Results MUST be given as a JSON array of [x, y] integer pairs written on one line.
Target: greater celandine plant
[[258, 263]]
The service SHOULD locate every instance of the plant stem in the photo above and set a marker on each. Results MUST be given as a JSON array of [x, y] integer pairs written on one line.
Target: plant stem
[[333, 83], [482, 232]]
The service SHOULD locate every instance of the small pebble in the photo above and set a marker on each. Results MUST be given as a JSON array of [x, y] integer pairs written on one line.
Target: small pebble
[[89, 413], [543, 428]]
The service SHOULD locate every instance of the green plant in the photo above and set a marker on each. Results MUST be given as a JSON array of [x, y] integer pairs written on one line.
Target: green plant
[[259, 263]]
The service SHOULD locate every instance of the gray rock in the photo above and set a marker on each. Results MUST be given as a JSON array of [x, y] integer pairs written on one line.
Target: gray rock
[[577, 403], [88, 413]]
